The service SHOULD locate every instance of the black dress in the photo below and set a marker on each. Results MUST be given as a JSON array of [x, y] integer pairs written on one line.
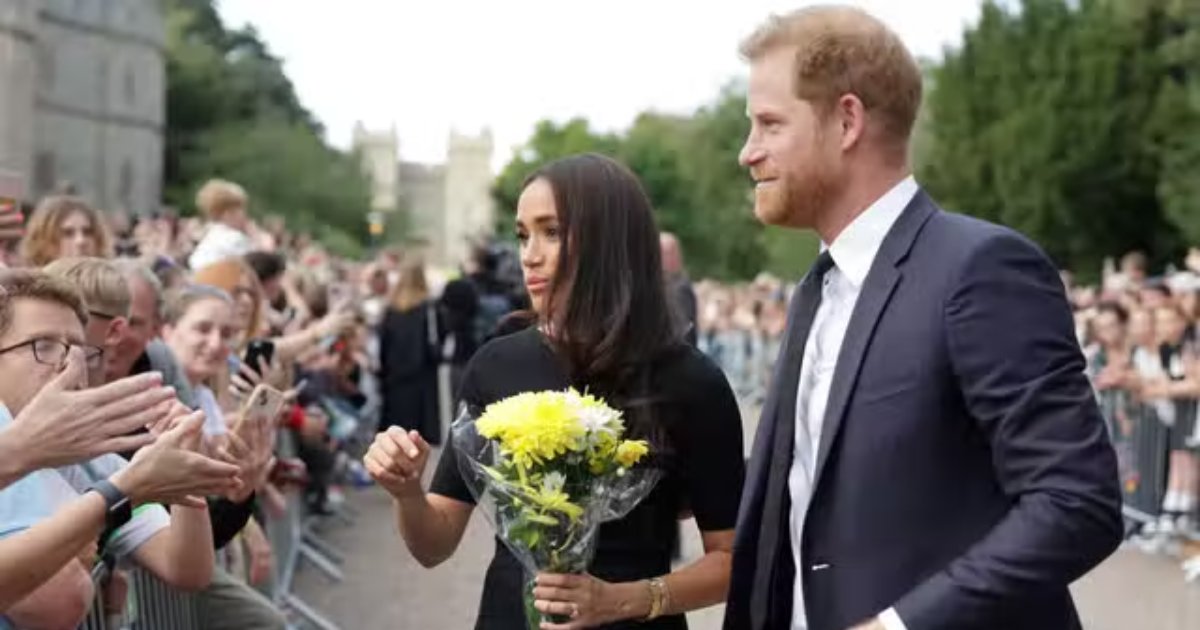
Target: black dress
[[704, 469], [408, 373]]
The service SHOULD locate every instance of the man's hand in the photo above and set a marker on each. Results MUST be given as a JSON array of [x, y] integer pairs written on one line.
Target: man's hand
[[175, 413], [171, 470], [62, 425]]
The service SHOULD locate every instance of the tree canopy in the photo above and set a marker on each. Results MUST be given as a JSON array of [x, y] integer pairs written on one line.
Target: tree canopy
[[232, 112]]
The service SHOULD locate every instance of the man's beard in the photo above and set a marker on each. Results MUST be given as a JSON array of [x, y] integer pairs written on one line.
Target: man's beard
[[807, 197]]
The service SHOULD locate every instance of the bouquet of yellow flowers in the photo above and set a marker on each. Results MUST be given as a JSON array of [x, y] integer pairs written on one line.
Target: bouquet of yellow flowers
[[548, 468]]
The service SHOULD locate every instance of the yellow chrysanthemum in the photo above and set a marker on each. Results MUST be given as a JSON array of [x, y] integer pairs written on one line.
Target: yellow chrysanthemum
[[630, 452], [555, 501], [533, 427]]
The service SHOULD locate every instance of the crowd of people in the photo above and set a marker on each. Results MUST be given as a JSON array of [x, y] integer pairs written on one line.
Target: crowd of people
[[170, 387], [129, 353], [1140, 333]]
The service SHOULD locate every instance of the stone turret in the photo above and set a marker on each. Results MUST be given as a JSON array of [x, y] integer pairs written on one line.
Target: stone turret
[[469, 207]]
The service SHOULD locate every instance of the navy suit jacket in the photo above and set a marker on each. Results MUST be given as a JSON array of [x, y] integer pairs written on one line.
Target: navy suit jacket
[[964, 474]]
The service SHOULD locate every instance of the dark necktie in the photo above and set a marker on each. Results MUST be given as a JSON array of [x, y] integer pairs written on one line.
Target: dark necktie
[[774, 572]]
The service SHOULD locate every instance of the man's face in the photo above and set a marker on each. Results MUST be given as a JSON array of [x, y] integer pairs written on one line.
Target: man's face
[[792, 153], [141, 327], [103, 330], [24, 371]]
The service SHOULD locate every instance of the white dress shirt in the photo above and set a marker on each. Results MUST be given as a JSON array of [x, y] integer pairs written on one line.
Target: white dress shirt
[[853, 253]]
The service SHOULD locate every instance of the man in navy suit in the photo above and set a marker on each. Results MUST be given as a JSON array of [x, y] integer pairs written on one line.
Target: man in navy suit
[[930, 454]]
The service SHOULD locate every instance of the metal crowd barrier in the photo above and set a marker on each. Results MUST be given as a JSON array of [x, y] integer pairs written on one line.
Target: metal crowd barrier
[[1143, 445], [292, 542], [150, 604], [295, 538]]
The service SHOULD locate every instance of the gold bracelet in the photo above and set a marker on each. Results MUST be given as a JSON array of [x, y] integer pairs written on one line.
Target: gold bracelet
[[658, 598]]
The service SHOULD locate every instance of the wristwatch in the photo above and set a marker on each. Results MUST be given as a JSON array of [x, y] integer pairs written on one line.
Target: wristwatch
[[119, 507]]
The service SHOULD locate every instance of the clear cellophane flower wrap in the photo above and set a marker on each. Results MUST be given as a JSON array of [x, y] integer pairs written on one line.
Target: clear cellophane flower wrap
[[546, 469]]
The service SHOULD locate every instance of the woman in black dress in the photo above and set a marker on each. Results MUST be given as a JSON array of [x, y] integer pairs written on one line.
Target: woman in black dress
[[590, 256], [408, 358]]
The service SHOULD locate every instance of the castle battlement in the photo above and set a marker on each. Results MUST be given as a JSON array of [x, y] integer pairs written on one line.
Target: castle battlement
[[446, 205]]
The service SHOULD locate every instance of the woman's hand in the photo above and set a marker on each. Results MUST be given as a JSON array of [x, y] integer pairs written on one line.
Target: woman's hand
[[252, 447], [243, 383], [585, 601]]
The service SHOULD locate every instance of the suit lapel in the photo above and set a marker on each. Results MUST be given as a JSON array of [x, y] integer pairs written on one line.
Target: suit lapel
[[764, 438], [877, 290]]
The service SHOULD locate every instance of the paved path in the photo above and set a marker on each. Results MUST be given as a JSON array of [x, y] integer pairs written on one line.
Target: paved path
[[386, 589]]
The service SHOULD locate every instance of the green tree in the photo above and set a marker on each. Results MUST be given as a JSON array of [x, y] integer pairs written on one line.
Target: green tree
[[1041, 121], [232, 112], [1176, 130], [550, 141]]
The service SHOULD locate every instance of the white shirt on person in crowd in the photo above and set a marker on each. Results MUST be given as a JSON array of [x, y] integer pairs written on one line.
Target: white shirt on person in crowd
[[219, 243], [214, 418]]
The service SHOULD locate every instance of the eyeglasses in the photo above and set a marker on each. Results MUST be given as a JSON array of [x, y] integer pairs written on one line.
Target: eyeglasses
[[100, 315], [54, 352]]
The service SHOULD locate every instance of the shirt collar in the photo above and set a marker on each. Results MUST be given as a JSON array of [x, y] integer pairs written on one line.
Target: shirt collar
[[854, 250]]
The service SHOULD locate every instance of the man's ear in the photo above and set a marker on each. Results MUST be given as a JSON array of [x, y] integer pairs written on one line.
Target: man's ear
[[116, 328]]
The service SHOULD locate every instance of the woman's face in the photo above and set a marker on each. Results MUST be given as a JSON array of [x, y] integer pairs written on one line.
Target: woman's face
[[1110, 332], [77, 236], [245, 297], [202, 339], [1170, 325], [540, 236], [1141, 328]]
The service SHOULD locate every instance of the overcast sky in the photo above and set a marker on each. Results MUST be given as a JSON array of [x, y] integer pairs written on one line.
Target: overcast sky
[[427, 67]]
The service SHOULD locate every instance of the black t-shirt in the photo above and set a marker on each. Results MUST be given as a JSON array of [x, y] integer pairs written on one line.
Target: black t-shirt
[[704, 469]]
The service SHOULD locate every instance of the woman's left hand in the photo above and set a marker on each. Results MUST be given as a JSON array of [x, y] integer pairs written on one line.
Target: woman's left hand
[[585, 600], [243, 383]]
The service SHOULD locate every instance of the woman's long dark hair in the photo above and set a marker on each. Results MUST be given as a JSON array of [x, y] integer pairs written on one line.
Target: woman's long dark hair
[[608, 306]]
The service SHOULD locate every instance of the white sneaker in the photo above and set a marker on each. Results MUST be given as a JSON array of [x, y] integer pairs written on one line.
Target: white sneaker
[[1191, 569]]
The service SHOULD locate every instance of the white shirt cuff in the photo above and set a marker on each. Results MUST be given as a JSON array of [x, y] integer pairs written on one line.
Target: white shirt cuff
[[891, 620]]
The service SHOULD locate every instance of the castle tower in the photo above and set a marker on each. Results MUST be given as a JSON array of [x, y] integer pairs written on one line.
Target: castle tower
[[380, 155], [469, 212]]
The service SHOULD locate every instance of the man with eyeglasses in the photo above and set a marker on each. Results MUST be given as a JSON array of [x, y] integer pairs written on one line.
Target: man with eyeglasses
[[42, 335]]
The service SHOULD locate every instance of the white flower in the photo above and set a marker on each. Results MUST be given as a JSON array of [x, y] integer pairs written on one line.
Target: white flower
[[553, 481], [595, 419]]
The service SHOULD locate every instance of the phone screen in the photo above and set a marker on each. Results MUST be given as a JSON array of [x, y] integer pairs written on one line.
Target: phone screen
[[259, 350]]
